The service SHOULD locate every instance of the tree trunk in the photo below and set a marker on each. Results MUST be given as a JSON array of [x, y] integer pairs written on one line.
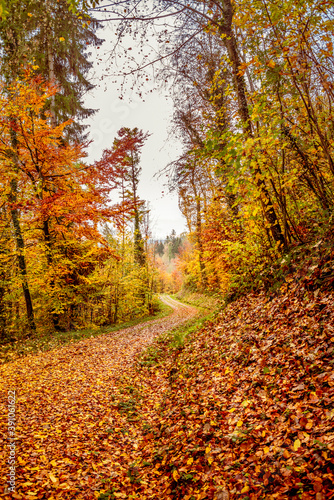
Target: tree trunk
[[204, 280], [200, 245], [55, 317], [51, 70], [20, 246], [240, 89], [139, 254]]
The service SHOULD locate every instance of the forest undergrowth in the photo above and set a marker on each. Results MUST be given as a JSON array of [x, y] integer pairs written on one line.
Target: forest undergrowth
[[19, 348]]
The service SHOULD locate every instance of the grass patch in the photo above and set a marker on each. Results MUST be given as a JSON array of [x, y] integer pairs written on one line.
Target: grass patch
[[205, 302], [173, 340], [151, 356], [178, 336], [46, 342]]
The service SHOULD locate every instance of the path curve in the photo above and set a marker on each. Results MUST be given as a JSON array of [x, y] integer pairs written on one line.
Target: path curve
[[62, 397]]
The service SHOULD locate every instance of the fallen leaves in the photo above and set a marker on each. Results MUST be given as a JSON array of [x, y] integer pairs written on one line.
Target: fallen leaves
[[296, 445], [53, 479], [262, 372], [75, 415], [204, 421]]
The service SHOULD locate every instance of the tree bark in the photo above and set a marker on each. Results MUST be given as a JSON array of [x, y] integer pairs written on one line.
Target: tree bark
[[199, 244], [139, 254], [225, 29], [20, 246], [51, 70]]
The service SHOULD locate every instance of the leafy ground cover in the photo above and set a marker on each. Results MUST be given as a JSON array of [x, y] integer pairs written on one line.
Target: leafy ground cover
[[244, 407], [76, 410], [237, 407], [207, 301]]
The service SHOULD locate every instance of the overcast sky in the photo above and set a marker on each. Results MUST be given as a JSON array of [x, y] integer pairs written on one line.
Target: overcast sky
[[152, 114]]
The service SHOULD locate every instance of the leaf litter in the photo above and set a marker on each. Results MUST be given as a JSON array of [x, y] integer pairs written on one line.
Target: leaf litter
[[243, 409], [72, 413]]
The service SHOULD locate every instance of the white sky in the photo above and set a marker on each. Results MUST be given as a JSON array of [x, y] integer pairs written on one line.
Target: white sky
[[153, 114]]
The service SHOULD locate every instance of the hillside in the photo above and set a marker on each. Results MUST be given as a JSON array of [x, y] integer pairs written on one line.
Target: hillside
[[239, 406], [244, 407]]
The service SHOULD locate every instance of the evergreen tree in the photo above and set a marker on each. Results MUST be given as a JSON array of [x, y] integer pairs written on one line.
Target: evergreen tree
[[55, 40], [159, 249], [172, 244], [60, 44], [135, 139]]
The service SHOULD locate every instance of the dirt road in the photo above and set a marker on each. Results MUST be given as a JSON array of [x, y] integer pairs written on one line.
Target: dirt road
[[65, 410]]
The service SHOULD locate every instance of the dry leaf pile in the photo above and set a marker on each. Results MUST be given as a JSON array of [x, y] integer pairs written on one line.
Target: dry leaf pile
[[243, 410]]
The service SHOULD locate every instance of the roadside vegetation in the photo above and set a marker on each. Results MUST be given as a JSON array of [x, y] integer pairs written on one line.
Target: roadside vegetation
[[39, 344]]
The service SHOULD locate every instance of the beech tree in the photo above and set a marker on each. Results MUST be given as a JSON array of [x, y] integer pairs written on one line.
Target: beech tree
[[255, 113]]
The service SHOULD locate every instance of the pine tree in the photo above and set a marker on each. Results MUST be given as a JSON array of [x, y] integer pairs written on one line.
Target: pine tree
[[55, 40], [135, 138], [60, 44]]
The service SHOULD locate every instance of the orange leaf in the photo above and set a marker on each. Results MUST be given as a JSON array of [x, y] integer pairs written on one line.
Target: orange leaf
[[176, 475], [53, 479]]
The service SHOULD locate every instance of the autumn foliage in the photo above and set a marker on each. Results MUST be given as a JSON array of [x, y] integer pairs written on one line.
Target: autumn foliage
[[239, 406], [244, 408], [255, 179], [56, 204]]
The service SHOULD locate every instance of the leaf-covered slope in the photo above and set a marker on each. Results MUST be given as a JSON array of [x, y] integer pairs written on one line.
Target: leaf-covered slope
[[249, 410], [242, 410]]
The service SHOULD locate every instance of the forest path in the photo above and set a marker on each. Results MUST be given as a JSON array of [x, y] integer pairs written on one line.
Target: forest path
[[66, 412]]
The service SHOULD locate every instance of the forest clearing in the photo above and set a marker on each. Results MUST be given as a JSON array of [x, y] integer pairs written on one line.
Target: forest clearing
[[166, 249]]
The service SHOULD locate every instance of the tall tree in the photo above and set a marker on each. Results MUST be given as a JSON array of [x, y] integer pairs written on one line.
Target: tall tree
[[135, 139], [44, 183], [57, 42]]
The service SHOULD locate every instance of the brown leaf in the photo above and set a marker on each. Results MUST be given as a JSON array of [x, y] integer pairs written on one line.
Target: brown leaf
[[223, 495]]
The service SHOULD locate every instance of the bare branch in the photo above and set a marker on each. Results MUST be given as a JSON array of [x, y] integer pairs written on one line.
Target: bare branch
[[162, 57], [125, 18]]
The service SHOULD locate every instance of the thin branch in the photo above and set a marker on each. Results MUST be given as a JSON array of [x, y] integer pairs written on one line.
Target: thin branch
[[162, 57], [125, 18]]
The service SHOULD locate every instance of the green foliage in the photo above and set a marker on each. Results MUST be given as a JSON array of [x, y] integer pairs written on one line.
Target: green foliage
[[159, 249], [151, 356], [257, 175], [107, 495], [47, 35], [179, 335], [80, 6], [172, 245], [3, 9], [206, 301]]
